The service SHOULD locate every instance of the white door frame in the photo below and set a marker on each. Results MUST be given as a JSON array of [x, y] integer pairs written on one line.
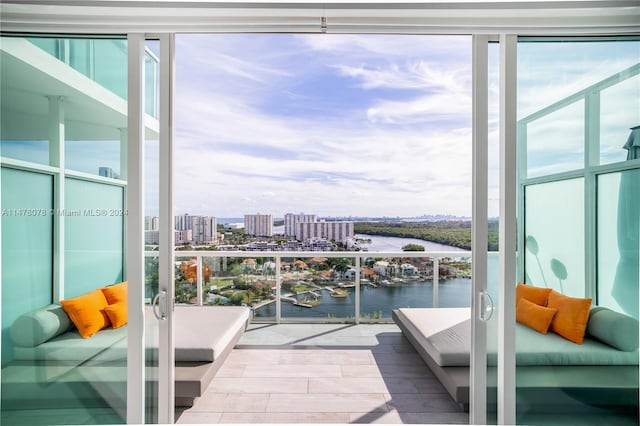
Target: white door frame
[[479, 237], [507, 231], [166, 358], [135, 237], [135, 230], [136, 362]]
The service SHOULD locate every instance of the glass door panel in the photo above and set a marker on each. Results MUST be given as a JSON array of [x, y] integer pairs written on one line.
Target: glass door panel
[[580, 228], [64, 338]]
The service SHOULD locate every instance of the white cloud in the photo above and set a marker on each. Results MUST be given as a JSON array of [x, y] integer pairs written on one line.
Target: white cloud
[[256, 128], [428, 108], [416, 75]]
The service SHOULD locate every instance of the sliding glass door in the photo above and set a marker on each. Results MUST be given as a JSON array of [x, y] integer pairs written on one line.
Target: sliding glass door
[[578, 140]]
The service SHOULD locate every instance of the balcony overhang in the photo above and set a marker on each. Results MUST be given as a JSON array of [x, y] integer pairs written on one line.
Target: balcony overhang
[[30, 76]]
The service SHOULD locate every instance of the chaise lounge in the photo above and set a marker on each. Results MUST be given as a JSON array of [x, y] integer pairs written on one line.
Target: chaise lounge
[[602, 371], [53, 363]]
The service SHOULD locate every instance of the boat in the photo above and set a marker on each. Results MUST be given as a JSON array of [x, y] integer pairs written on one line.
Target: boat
[[337, 292]]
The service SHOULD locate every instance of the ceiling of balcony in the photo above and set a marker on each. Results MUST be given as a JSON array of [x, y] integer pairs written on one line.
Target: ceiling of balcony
[[30, 76]]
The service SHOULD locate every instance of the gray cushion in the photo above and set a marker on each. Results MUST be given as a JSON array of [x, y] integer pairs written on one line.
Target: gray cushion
[[613, 328], [72, 347], [36, 327], [445, 334]]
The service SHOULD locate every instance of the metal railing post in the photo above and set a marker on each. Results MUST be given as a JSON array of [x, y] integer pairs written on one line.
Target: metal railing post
[[357, 288], [436, 280], [278, 302], [199, 280]]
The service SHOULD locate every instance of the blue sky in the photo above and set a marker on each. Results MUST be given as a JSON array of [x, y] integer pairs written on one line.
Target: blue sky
[[333, 125], [372, 125]]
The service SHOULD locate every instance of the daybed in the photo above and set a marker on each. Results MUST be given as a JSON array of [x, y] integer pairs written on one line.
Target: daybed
[[54, 366], [550, 369]]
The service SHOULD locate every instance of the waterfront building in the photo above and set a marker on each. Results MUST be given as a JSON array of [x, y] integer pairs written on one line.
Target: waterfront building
[[152, 237], [318, 244], [408, 270], [385, 269], [291, 221], [183, 236], [350, 274], [336, 231], [183, 222], [258, 225], [261, 246], [151, 223], [204, 229]]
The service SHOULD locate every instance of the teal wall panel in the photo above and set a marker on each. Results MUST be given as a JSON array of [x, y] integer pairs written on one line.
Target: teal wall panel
[[93, 236], [618, 240], [27, 247]]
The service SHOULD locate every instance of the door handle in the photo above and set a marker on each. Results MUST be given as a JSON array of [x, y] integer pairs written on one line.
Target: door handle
[[159, 305], [486, 306]]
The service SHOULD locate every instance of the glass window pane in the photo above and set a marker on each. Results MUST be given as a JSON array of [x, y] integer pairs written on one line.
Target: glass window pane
[[618, 235], [574, 91], [24, 131], [555, 142], [620, 110], [554, 230]]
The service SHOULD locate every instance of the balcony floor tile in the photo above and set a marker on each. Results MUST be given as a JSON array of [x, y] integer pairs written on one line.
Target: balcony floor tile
[[324, 373]]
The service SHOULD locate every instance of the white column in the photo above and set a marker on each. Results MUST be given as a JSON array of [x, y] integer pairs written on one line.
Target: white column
[[479, 231], [135, 232], [56, 159], [507, 231]]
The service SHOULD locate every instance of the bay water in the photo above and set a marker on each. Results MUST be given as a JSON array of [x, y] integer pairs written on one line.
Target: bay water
[[379, 301]]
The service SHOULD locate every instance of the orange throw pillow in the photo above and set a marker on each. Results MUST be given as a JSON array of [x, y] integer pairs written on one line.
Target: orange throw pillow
[[117, 314], [86, 312], [116, 293], [537, 295], [534, 316], [571, 319]]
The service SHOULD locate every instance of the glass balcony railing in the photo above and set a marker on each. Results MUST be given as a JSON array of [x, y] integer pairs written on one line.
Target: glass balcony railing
[[105, 62], [350, 287]]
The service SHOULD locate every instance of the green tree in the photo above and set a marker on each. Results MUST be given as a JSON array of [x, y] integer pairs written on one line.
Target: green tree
[[413, 247]]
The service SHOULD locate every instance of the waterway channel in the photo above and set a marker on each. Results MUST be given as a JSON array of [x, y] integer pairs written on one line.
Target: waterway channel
[[379, 301]]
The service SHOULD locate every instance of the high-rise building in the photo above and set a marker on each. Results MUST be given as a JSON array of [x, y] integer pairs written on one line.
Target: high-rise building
[[183, 237], [259, 225], [152, 236], [291, 220], [183, 222], [151, 223], [204, 229], [338, 231]]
